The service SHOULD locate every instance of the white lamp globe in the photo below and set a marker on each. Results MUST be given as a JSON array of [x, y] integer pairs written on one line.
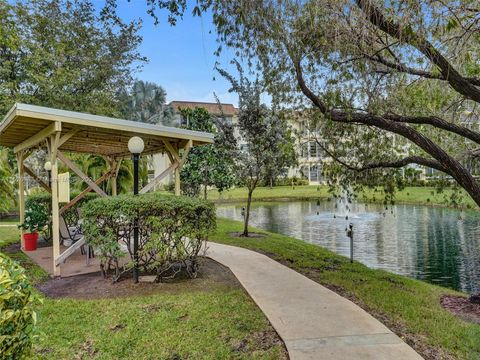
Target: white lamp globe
[[48, 166], [135, 145]]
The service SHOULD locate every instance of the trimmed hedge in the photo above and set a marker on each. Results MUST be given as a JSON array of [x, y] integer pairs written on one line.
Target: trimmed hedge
[[172, 231], [17, 316]]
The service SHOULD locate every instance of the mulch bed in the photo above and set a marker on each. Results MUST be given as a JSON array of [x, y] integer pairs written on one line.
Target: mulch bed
[[94, 286], [461, 307]]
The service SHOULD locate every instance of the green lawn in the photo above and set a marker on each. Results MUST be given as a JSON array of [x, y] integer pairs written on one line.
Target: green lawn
[[9, 221], [218, 322], [409, 195], [407, 306]]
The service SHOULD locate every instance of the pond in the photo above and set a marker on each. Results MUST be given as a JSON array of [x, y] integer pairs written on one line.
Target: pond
[[435, 244]]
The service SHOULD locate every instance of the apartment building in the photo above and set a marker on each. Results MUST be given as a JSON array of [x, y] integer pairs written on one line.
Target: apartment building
[[160, 161], [309, 155]]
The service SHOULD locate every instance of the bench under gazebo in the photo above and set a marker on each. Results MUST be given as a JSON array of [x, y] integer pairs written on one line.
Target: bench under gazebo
[[26, 128]]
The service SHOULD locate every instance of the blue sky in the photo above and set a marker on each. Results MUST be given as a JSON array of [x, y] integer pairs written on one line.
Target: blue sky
[[181, 57]]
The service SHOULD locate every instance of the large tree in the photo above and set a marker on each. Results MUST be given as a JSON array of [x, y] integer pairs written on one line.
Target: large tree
[[398, 79], [63, 54], [266, 140], [359, 64], [213, 164]]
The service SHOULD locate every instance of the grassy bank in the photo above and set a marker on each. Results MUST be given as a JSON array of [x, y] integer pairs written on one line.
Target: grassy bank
[[409, 307], [215, 322], [409, 195]]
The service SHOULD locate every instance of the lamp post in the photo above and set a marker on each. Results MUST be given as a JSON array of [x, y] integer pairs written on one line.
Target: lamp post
[[349, 231], [135, 146]]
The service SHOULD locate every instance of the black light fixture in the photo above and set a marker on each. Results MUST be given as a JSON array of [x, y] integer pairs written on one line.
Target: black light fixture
[[135, 146]]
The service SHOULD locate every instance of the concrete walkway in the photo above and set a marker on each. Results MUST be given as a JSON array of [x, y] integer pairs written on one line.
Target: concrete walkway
[[314, 322]]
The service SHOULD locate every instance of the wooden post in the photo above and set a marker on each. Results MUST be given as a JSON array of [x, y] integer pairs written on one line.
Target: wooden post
[[177, 181], [55, 208], [175, 157], [21, 193], [113, 182], [55, 217]]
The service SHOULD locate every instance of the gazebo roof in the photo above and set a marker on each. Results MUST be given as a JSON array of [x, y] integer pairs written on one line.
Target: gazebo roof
[[25, 126]]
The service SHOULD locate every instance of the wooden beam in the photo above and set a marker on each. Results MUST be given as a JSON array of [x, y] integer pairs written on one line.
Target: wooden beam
[[117, 167], [83, 193], [185, 153], [154, 182], [172, 150], [37, 179], [71, 249], [54, 141], [68, 136], [21, 194], [79, 172], [170, 157], [54, 127], [182, 160]]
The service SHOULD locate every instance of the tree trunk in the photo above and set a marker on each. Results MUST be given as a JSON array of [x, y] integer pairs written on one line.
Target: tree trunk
[[205, 182], [247, 213]]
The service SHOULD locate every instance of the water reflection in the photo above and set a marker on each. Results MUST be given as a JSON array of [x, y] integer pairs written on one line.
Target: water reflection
[[438, 245]]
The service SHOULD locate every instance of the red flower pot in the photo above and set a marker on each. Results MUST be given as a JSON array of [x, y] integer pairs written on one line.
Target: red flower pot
[[30, 241]]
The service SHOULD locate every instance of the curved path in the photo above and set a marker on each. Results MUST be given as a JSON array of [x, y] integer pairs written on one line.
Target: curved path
[[314, 322]]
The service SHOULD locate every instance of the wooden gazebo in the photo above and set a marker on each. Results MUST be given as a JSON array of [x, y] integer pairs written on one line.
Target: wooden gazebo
[[28, 127]]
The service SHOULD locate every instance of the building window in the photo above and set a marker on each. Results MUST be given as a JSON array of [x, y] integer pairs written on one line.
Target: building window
[[303, 129], [313, 149], [304, 150], [313, 173]]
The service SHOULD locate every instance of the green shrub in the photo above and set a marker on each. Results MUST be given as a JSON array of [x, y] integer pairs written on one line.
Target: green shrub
[[36, 218], [43, 201], [286, 181], [17, 315], [172, 231]]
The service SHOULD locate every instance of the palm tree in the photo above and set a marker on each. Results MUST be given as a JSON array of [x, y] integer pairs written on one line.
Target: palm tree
[[95, 166], [146, 103]]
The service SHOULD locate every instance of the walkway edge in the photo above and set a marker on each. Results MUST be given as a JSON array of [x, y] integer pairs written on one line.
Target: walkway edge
[[313, 321]]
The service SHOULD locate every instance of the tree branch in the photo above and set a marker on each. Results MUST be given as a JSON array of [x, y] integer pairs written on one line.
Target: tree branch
[[454, 167], [434, 164], [438, 123], [417, 72], [449, 73], [403, 162]]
